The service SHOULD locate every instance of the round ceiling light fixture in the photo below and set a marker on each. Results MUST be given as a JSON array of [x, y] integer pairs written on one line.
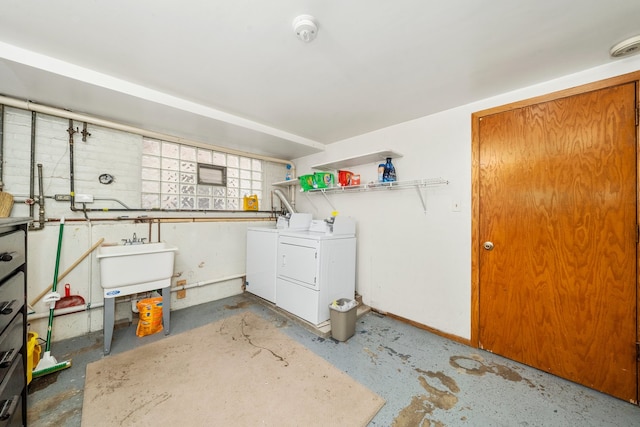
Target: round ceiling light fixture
[[626, 47], [305, 28]]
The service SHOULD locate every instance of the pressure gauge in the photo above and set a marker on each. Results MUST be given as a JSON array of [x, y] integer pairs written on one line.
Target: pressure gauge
[[105, 178]]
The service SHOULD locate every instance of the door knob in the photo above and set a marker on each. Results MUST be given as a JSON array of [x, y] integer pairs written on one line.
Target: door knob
[[488, 246]]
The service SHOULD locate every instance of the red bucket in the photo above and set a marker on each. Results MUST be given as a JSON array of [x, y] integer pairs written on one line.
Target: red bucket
[[344, 178]]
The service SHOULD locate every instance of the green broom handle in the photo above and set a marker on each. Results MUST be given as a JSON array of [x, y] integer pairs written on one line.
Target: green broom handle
[[55, 284]]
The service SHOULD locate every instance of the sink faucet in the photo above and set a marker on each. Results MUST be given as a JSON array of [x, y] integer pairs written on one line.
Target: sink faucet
[[134, 240]]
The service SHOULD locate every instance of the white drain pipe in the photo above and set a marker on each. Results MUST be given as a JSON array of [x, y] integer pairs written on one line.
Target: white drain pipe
[[63, 311], [85, 307], [207, 282]]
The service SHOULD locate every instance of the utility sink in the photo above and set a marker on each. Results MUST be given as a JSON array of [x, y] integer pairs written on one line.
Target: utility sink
[[131, 265], [130, 269]]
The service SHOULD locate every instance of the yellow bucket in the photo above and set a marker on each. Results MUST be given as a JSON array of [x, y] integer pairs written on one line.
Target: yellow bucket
[[33, 354], [251, 203]]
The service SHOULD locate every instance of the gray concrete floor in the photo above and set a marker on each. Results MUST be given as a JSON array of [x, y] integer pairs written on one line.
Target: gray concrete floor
[[425, 379]]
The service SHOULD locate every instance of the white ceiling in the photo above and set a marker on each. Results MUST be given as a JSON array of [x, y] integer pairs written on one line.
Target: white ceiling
[[232, 72]]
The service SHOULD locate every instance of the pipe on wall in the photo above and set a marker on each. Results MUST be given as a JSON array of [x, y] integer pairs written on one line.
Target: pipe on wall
[[284, 200], [32, 200], [52, 111], [32, 164], [39, 108], [207, 282], [84, 208], [41, 198], [67, 310], [72, 191], [86, 307]]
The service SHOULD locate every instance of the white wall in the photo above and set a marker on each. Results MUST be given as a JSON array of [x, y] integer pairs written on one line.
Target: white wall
[[413, 264], [208, 251]]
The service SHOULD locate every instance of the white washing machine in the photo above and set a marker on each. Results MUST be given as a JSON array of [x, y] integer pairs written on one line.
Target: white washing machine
[[262, 251], [262, 244], [316, 267]]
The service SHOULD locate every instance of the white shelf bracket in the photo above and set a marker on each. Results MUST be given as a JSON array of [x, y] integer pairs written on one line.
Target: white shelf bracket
[[315, 208], [422, 192], [324, 193]]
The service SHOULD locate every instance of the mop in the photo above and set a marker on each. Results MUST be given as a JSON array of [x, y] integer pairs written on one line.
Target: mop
[[48, 364]]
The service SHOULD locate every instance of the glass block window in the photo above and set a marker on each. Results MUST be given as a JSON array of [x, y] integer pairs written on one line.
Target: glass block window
[[170, 178]]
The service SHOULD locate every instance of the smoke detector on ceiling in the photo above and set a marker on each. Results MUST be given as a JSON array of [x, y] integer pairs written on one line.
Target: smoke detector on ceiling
[[626, 47], [305, 28]]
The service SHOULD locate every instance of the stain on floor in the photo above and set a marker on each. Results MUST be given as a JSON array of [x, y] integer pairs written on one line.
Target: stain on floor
[[372, 355], [43, 382], [392, 352], [47, 412], [96, 345], [449, 382], [421, 408], [239, 305], [441, 389], [476, 365], [420, 411], [243, 326]]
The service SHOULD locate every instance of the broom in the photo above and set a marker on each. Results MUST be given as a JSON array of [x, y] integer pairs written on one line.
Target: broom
[[48, 364]]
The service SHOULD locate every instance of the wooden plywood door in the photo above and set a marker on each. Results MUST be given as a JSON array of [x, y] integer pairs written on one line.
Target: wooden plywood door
[[557, 199]]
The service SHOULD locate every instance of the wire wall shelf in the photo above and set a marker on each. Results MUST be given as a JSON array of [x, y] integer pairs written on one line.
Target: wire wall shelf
[[373, 186], [419, 185]]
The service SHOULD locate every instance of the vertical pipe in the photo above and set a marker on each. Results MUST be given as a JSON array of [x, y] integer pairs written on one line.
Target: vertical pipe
[[32, 178], [32, 174], [85, 132], [71, 177], [40, 198]]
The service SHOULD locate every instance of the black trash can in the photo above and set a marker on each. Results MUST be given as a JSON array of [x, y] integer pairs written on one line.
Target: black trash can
[[343, 318]]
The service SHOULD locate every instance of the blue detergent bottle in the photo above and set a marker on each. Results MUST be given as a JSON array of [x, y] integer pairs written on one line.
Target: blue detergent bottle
[[389, 174]]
